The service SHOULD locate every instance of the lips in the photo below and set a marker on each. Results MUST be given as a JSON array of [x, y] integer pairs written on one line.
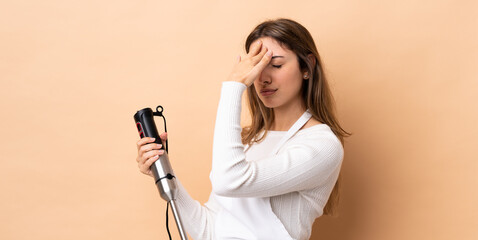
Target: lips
[[268, 91]]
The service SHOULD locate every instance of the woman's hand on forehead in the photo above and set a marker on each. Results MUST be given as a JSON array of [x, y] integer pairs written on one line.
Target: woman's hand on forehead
[[250, 66]]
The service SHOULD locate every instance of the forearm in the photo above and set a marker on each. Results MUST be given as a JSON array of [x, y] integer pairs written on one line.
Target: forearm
[[228, 150], [198, 220]]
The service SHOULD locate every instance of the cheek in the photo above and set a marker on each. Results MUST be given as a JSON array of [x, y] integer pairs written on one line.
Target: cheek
[[294, 81], [291, 76], [256, 86]]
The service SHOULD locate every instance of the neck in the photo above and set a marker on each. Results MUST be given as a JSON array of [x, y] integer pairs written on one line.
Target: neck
[[286, 116]]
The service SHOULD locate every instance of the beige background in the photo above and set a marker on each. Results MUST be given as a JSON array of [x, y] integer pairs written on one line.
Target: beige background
[[73, 73]]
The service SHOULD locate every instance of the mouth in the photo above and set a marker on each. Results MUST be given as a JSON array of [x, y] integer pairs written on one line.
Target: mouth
[[267, 92]]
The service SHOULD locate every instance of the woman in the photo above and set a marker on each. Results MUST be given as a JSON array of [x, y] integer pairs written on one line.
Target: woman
[[270, 180]]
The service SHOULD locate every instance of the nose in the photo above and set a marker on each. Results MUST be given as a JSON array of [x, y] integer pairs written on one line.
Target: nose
[[265, 77]]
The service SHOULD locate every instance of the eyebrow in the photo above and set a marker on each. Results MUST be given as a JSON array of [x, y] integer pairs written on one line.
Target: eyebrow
[[277, 57]]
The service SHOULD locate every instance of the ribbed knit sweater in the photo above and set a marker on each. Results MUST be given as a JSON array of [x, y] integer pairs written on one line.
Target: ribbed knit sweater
[[298, 179]]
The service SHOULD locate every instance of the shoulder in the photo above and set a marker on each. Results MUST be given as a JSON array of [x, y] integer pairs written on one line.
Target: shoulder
[[317, 147], [319, 130], [319, 136], [311, 122]]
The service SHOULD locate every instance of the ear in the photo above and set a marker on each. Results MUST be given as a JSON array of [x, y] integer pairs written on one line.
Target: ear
[[312, 59], [305, 73]]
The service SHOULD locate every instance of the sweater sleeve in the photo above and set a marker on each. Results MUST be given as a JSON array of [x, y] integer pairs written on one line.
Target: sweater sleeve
[[198, 220], [302, 164]]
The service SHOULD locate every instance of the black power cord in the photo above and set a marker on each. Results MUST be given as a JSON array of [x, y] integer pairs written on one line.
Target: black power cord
[[160, 113], [167, 220]]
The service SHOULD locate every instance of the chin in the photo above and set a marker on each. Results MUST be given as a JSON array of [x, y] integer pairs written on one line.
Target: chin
[[269, 104]]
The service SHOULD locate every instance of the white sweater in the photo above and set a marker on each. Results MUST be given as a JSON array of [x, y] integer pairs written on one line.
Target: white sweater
[[298, 180]]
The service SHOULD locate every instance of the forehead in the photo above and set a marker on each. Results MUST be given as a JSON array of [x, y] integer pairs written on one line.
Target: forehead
[[276, 47]]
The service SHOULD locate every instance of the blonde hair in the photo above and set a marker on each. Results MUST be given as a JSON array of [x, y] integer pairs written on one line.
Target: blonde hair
[[316, 93]]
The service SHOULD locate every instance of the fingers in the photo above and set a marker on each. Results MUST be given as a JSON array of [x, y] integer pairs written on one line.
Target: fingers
[[263, 62], [259, 56], [142, 158], [148, 147], [146, 160], [151, 154], [266, 58], [163, 136], [255, 48], [258, 50], [143, 141], [146, 166], [246, 70]]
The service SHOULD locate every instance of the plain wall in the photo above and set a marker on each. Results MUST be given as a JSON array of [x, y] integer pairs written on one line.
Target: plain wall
[[73, 73]]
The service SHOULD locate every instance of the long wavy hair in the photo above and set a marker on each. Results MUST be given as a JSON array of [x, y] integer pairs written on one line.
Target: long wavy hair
[[316, 93]]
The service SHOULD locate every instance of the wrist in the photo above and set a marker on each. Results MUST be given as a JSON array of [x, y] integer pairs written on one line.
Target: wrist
[[241, 87], [236, 81]]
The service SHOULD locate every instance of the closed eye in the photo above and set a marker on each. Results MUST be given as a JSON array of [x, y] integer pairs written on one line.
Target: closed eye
[[277, 66]]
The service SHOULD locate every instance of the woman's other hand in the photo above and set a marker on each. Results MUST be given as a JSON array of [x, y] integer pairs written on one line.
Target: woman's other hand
[[148, 153], [249, 67]]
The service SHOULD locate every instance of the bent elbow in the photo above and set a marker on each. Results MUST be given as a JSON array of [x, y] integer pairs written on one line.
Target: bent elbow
[[222, 191], [222, 186], [228, 185]]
